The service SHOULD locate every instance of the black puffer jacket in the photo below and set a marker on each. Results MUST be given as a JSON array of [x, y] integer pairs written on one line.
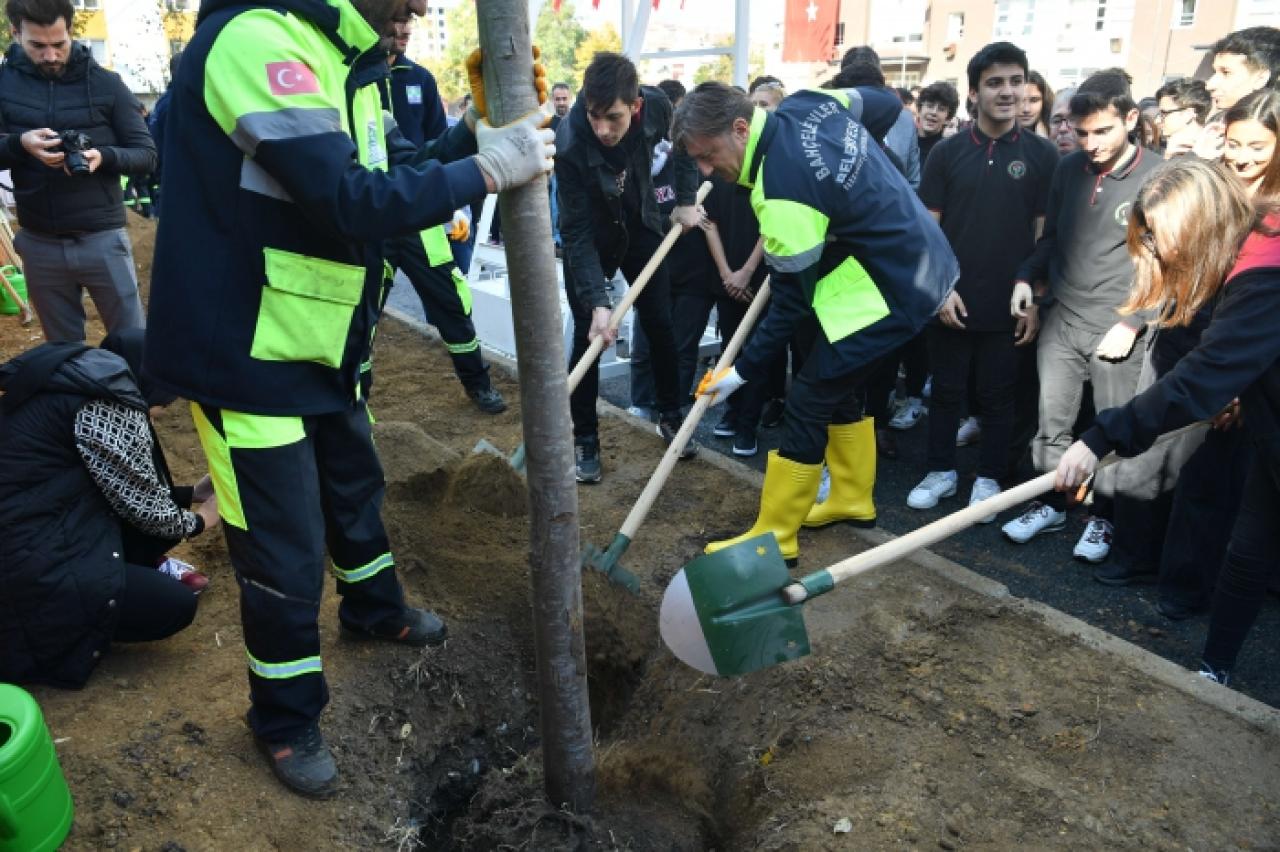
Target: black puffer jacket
[[61, 559], [592, 221], [88, 98]]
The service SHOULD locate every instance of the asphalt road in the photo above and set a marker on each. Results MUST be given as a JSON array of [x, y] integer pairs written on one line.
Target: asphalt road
[[1043, 569]]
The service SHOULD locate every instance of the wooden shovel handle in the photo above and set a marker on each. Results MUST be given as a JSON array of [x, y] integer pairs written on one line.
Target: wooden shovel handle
[[700, 406], [930, 534], [634, 288]]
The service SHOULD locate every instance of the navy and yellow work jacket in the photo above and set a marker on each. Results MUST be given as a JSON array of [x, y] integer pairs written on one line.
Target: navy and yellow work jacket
[[844, 235], [283, 175]]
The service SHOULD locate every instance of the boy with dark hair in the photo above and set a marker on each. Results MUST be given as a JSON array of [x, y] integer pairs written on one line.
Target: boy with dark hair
[[936, 105], [1184, 107], [1082, 255], [1243, 62], [988, 189], [609, 221]]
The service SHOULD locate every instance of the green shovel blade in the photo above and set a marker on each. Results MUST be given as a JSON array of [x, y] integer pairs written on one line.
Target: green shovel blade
[[723, 613]]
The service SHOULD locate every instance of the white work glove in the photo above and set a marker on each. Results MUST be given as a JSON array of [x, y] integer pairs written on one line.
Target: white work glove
[[517, 153], [1021, 299], [720, 385]]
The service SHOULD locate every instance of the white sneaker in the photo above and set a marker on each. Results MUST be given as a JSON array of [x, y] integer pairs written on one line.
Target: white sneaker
[[824, 486], [969, 432], [1039, 517], [1095, 544], [641, 412], [908, 414], [982, 489], [937, 485]]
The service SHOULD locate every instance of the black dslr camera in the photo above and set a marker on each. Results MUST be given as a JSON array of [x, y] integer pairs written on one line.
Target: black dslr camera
[[74, 144]]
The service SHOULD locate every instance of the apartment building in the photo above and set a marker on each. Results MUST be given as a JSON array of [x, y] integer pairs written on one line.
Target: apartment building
[[135, 38], [920, 41]]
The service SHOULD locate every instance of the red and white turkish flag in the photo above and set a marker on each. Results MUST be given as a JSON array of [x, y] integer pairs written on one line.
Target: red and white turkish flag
[[810, 30]]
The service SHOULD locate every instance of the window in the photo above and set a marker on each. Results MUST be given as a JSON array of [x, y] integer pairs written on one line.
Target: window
[[1184, 13], [87, 5], [180, 5], [840, 34], [955, 27], [1014, 18], [176, 46], [98, 47], [1101, 19]]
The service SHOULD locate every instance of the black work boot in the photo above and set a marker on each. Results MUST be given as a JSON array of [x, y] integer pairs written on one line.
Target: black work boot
[[412, 626], [303, 763], [488, 400], [586, 456]]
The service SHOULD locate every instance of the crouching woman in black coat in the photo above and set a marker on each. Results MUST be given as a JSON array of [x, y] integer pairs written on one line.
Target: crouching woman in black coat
[[84, 514], [1198, 242]]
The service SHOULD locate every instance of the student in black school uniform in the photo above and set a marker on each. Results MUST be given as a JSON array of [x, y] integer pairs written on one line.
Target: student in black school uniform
[[988, 188]]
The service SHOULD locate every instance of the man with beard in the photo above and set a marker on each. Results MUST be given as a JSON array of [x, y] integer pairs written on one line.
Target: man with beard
[[53, 95], [286, 178]]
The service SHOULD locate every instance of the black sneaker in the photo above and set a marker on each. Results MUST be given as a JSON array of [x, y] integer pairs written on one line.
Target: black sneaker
[[488, 400], [774, 411], [667, 430], [415, 627], [303, 763], [744, 443], [586, 456], [725, 428]]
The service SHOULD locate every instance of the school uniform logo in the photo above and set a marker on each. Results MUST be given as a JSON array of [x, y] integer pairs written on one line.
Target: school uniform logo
[[1122, 214], [291, 78], [414, 94], [1017, 170]]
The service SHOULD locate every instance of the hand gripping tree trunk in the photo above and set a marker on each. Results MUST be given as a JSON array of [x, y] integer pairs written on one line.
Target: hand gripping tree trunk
[[548, 435]]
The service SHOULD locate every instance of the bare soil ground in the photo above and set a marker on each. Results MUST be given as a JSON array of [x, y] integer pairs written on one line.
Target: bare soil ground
[[928, 716]]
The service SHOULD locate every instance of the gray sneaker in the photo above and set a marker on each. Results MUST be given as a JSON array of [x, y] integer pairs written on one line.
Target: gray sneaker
[[586, 457], [934, 487], [303, 763]]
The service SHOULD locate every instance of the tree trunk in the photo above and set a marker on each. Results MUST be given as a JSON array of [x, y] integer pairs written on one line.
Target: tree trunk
[[544, 400]]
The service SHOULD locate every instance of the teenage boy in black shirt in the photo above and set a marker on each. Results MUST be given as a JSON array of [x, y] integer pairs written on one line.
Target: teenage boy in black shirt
[[988, 188], [609, 221], [936, 105], [1083, 256]]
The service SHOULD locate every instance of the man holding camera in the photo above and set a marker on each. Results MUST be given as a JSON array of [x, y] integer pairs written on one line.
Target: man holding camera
[[73, 129]]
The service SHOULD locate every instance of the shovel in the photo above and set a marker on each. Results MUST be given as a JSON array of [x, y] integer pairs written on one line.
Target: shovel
[[607, 560], [737, 610], [634, 289]]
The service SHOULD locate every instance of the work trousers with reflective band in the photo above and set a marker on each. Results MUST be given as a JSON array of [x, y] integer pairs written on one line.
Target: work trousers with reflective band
[[427, 261], [287, 487]]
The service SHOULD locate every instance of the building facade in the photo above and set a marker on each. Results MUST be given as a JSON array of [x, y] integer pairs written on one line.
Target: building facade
[[922, 41], [135, 38]]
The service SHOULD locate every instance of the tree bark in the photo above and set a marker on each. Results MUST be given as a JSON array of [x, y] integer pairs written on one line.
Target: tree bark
[[548, 435]]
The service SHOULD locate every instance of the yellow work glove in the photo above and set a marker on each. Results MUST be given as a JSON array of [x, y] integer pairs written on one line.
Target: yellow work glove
[[719, 384], [475, 75], [460, 227]]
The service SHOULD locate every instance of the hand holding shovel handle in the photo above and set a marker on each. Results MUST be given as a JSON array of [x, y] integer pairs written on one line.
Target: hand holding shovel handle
[[607, 561], [891, 551], [634, 289]]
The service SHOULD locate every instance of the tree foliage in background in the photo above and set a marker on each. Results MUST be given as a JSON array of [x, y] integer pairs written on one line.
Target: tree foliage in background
[[605, 39], [450, 70], [721, 67], [559, 35]]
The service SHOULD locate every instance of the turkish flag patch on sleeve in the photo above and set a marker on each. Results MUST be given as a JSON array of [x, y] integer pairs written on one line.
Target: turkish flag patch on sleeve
[[291, 78]]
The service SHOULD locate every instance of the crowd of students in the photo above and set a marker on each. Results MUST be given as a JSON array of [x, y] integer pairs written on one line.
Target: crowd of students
[[1067, 304]]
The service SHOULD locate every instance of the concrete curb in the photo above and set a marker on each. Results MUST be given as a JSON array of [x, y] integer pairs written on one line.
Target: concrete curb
[[1249, 710]]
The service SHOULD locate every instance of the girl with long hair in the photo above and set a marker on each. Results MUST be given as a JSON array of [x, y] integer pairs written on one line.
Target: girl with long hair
[[1200, 244], [1253, 126], [1037, 105]]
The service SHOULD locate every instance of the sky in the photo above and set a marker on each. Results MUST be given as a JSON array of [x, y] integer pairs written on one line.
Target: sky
[[712, 15]]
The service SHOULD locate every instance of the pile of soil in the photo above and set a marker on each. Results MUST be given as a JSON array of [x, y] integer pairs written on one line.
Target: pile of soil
[[928, 716]]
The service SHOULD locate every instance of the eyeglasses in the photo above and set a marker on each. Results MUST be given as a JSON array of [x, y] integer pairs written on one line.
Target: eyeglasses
[[1165, 113], [1059, 121]]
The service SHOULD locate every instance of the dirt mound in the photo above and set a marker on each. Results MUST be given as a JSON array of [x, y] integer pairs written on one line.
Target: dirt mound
[[487, 483]]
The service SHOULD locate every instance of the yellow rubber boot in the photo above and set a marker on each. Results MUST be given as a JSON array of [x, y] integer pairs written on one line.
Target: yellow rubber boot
[[851, 459], [789, 490]]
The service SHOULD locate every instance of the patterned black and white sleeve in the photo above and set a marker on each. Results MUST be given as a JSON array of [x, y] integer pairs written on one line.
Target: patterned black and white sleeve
[[115, 443]]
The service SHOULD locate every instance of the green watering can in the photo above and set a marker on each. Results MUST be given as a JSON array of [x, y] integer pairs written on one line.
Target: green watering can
[[19, 283], [35, 805]]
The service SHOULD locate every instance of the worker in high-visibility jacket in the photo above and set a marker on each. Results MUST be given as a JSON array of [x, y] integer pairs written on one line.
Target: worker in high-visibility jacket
[[284, 175], [852, 253]]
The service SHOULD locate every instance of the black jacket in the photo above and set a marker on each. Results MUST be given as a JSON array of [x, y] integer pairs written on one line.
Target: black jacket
[[1237, 356], [88, 98], [593, 226], [61, 558]]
